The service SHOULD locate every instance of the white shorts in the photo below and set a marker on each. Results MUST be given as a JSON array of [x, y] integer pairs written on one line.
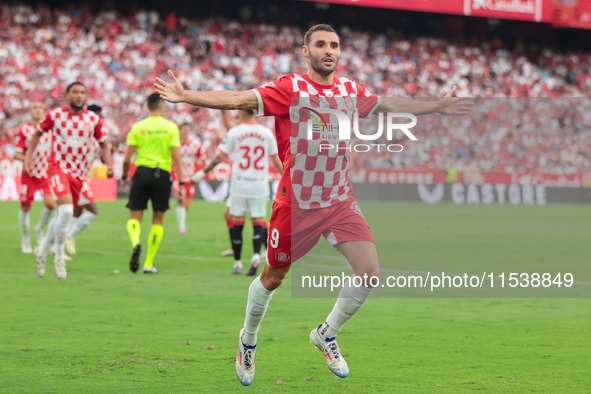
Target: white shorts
[[257, 207], [229, 200]]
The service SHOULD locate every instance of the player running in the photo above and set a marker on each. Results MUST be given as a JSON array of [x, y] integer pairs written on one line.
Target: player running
[[73, 129], [155, 141], [79, 221], [33, 179], [191, 151], [314, 197], [250, 145]]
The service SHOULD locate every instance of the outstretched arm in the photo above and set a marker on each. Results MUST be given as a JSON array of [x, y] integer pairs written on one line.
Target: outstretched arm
[[214, 162], [218, 99], [448, 105]]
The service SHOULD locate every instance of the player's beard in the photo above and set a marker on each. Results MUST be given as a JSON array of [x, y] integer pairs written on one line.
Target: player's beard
[[318, 67], [76, 107]]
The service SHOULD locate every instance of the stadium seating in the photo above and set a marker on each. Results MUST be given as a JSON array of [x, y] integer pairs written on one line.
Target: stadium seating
[[117, 57]]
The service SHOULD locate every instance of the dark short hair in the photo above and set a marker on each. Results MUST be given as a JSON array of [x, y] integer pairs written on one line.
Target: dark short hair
[[70, 86], [154, 101], [185, 124], [95, 108], [248, 112], [320, 27]]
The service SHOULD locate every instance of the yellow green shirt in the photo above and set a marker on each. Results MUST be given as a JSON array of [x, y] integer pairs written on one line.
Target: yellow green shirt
[[153, 137]]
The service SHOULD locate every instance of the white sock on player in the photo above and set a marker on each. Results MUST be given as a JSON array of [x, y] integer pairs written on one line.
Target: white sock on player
[[256, 307], [24, 219], [181, 215], [71, 224], [64, 213], [80, 224], [49, 238], [44, 219], [351, 298]]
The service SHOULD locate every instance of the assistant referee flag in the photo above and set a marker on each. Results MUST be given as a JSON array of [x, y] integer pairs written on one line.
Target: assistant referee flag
[[153, 137]]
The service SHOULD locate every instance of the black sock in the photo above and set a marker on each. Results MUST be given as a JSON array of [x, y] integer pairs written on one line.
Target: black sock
[[230, 227], [237, 240], [265, 236], [257, 237]]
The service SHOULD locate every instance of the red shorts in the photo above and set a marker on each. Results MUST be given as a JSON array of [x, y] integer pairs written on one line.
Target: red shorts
[[294, 232], [30, 185], [63, 184], [189, 190]]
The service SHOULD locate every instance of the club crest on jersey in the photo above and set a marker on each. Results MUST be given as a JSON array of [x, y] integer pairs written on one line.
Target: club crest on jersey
[[282, 257]]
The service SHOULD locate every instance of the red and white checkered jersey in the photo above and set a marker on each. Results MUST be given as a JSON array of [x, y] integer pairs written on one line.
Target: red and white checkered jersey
[[73, 135], [95, 150], [42, 152], [318, 178], [190, 152], [249, 145]]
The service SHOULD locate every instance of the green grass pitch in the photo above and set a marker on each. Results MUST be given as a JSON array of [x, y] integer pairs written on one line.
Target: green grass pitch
[[176, 332]]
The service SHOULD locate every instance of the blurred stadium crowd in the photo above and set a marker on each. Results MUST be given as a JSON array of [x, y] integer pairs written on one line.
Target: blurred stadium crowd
[[118, 56]]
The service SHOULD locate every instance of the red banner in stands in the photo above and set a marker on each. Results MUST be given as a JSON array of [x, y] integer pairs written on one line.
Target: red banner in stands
[[527, 10]]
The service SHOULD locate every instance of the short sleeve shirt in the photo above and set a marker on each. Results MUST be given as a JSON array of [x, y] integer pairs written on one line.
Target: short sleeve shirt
[[42, 152], [250, 146], [73, 134], [154, 137], [318, 178]]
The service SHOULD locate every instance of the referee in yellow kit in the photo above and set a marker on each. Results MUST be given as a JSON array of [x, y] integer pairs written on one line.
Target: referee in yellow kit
[[155, 141]]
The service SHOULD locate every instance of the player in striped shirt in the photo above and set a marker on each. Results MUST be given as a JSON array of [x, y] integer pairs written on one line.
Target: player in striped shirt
[[314, 197], [34, 179]]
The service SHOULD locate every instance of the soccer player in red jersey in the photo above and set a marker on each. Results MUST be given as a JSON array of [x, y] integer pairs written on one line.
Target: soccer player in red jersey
[[81, 219], [73, 129], [191, 152], [314, 197], [35, 178]]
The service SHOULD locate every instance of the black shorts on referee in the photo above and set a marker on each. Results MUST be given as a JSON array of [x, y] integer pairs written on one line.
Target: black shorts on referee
[[152, 184]]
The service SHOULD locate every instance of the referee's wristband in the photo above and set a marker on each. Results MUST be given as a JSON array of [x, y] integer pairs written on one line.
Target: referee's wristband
[[124, 178]]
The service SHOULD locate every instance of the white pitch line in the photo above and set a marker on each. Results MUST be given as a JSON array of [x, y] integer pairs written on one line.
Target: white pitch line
[[168, 241]]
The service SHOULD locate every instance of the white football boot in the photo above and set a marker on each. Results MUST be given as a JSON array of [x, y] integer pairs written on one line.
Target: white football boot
[[245, 360], [226, 253], [60, 269], [26, 245], [40, 263], [71, 246], [332, 353], [52, 252], [152, 270]]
